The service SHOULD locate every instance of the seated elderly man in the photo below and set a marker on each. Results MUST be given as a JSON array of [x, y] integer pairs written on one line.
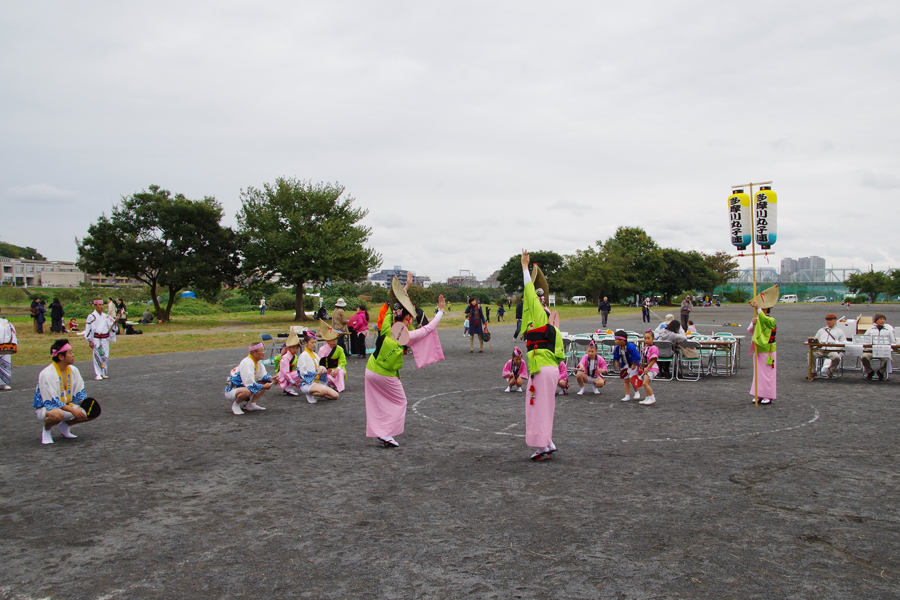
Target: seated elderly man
[[248, 381], [882, 329], [830, 335], [60, 394]]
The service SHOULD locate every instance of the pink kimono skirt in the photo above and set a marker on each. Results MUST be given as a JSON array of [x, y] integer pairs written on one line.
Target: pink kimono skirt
[[539, 416], [336, 378], [766, 375], [385, 405]]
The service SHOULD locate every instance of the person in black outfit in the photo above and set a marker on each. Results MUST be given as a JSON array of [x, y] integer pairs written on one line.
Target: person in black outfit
[[604, 309], [518, 319], [56, 316]]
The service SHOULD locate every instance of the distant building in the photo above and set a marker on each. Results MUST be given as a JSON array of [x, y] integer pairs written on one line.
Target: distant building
[[384, 277], [464, 279], [788, 266], [491, 282], [811, 263], [40, 273], [112, 281]]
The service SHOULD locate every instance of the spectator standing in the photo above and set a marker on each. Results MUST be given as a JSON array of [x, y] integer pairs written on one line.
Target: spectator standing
[[34, 304], [7, 336], [262, 306], [518, 319], [40, 316], [476, 322], [340, 322], [686, 307], [487, 314], [645, 310], [501, 310], [56, 316], [604, 309], [122, 314], [359, 326], [111, 308]]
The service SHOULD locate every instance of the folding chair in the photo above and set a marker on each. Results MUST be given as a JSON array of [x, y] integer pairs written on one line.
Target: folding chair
[[719, 363], [268, 339], [688, 369], [579, 349], [820, 367], [609, 346], [666, 356]]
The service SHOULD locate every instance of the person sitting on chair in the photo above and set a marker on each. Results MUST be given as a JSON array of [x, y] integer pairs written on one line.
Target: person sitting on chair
[[830, 335], [882, 329]]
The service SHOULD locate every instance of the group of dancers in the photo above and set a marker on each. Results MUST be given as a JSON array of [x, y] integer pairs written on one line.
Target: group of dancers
[[540, 371]]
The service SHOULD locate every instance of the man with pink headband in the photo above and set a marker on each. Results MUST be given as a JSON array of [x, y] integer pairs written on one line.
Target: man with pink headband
[[248, 381], [99, 330], [59, 393]]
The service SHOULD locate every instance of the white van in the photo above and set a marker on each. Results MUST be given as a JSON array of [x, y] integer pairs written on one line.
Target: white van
[[789, 298], [579, 299]]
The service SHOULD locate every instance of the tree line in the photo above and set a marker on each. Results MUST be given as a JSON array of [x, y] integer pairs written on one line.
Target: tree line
[[293, 231], [627, 265]]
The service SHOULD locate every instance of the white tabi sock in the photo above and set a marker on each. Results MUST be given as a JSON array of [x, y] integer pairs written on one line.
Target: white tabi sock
[[64, 430], [520, 389], [596, 391], [251, 406], [580, 391], [311, 399], [46, 437], [236, 408], [507, 389]]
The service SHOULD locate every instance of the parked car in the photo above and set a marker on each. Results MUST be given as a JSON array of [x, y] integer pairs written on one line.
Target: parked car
[[819, 299], [788, 298]]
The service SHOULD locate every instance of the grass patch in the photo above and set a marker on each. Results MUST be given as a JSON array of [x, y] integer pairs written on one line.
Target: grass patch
[[213, 331]]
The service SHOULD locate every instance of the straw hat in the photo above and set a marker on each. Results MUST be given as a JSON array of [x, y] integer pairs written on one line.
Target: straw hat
[[768, 298], [398, 297], [294, 335], [540, 282], [326, 332]]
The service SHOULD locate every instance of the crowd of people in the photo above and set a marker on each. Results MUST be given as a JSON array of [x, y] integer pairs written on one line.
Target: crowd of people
[[401, 327]]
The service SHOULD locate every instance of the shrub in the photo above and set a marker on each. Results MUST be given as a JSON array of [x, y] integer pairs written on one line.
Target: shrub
[[281, 301], [738, 296]]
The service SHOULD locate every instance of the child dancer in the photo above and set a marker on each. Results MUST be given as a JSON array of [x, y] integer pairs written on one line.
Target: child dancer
[[591, 368], [515, 372], [650, 356], [335, 359], [627, 358], [692, 328], [563, 383]]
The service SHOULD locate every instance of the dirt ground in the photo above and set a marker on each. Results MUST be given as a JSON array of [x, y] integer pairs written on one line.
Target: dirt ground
[[702, 495]]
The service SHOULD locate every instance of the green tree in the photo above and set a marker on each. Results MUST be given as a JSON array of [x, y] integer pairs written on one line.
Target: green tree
[[510, 276], [165, 241], [871, 284], [304, 232], [591, 273], [13, 251], [683, 271], [633, 252], [723, 265]]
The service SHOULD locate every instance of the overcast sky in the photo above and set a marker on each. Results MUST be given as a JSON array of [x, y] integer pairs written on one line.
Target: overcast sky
[[467, 129]]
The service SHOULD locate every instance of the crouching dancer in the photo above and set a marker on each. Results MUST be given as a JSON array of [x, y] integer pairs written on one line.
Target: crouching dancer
[[248, 381], [60, 394]]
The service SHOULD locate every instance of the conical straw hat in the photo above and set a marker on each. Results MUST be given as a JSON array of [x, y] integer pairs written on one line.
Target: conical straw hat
[[768, 298]]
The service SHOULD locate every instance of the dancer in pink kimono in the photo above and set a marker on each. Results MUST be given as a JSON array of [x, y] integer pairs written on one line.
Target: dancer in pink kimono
[[545, 353], [765, 367], [332, 357], [385, 398], [515, 372]]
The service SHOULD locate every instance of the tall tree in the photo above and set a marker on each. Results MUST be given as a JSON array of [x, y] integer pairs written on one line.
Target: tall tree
[[510, 276], [13, 251], [684, 271], [591, 273], [304, 233], [870, 283], [634, 251], [723, 265], [165, 241]]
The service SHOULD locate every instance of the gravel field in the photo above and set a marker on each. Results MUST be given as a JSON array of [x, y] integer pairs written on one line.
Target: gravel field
[[702, 495]]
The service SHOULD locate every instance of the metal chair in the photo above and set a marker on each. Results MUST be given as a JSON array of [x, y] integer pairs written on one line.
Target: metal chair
[[688, 369], [666, 355], [609, 346], [820, 367], [268, 339], [579, 349], [718, 356]]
